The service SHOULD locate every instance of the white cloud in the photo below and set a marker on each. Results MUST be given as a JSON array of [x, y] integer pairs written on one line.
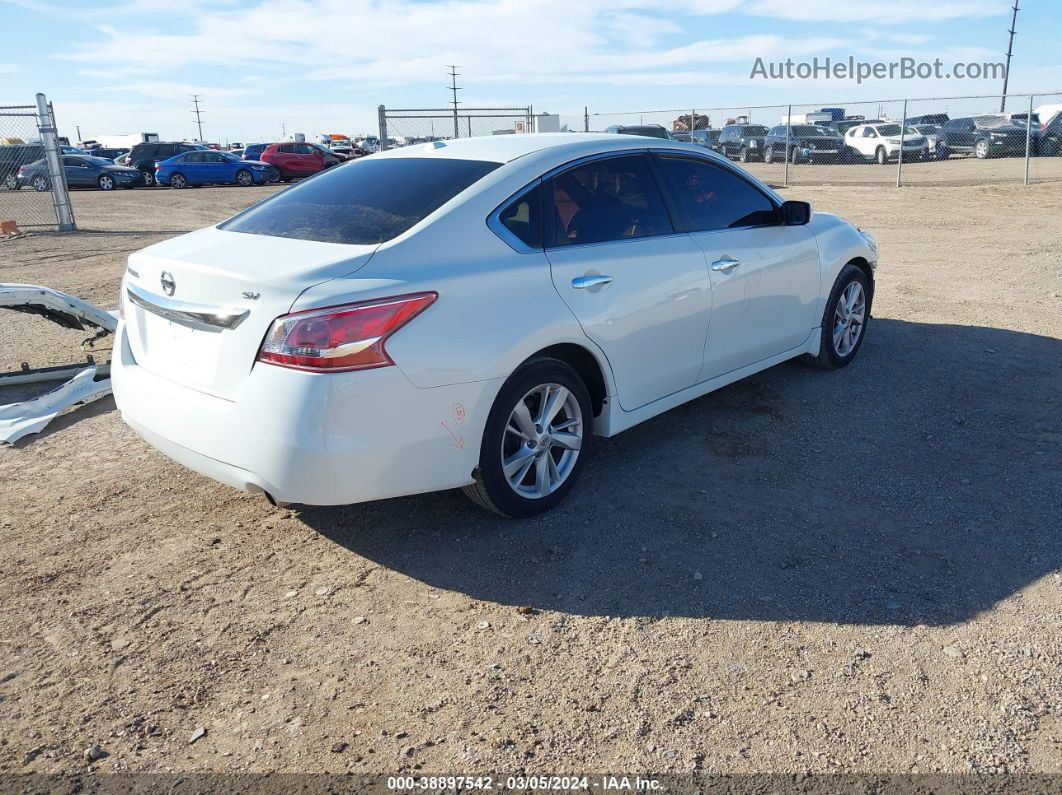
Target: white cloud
[[886, 12]]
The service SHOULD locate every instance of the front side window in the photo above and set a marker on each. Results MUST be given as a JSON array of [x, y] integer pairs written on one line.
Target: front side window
[[523, 217], [366, 202], [715, 198], [605, 200]]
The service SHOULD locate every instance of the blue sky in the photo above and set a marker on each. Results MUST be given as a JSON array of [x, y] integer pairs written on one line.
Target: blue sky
[[325, 65]]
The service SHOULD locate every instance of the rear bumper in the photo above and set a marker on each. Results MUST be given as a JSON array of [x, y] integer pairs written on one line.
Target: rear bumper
[[317, 439]]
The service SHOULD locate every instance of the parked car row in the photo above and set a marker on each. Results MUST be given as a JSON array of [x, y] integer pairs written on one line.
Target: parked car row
[[824, 138]]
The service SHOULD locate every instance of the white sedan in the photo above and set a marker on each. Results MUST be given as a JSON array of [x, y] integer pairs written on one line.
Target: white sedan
[[881, 142], [471, 313]]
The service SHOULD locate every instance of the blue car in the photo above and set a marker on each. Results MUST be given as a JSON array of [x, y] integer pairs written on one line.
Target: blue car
[[254, 151], [205, 167]]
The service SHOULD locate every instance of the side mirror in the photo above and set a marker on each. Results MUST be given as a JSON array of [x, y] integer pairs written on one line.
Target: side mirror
[[796, 213]]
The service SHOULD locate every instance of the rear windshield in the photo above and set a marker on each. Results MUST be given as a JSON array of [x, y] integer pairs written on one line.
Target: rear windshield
[[363, 202]]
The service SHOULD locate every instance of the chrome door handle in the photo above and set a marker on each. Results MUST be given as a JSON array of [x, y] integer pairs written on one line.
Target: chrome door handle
[[582, 282], [725, 264]]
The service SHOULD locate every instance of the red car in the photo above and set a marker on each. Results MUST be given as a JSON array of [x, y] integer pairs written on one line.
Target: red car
[[293, 159]]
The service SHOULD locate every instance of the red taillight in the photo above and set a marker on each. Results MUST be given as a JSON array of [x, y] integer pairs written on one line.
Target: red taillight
[[348, 337]]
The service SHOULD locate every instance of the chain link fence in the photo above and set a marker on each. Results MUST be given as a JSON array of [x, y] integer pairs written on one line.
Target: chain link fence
[[406, 126], [33, 189], [1015, 138]]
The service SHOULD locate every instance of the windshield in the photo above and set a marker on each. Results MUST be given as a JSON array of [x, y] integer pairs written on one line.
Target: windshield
[[363, 202], [810, 130]]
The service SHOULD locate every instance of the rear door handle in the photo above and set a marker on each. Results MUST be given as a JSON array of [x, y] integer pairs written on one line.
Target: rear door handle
[[582, 282], [725, 264]]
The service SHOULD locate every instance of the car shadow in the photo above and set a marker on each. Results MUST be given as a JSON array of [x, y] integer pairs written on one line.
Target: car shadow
[[918, 486]]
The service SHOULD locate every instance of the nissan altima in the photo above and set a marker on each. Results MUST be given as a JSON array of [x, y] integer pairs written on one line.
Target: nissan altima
[[472, 313]]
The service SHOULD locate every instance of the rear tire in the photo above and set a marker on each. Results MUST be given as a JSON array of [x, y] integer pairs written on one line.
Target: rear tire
[[178, 181], [529, 461], [41, 183], [149, 178], [843, 328]]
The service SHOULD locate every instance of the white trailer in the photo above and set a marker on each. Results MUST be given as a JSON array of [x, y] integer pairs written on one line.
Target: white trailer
[[808, 118], [126, 141]]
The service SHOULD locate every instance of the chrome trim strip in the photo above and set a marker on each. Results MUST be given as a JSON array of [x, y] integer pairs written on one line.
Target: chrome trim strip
[[198, 316]]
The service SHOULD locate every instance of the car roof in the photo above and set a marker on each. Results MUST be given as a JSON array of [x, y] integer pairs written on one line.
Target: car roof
[[506, 148]]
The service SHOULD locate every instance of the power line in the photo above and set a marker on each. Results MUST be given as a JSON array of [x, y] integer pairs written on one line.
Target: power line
[[1010, 50], [198, 115], [454, 74]]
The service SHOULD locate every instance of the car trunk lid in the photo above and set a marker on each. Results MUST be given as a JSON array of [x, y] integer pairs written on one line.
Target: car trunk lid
[[198, 306]]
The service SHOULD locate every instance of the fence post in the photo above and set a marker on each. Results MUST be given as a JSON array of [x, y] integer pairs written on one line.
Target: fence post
[[382, 111], [899, 156], [64, 213], [1028, 138], [788, 125], [586, 119]]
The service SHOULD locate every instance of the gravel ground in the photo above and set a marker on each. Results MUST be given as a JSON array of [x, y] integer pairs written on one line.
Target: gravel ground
[[856, 571]]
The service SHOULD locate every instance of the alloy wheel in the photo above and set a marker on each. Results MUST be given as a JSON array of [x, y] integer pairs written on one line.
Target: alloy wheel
[[542, 440], [849, 319], [40, 184], [106, 183]]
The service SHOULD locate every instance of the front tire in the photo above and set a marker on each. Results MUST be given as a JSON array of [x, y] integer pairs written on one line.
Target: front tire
[[244, 178], [743, 155], [538, 437], [881, 156], [105, 182], [844, 323], [981, 149], [768, 155]]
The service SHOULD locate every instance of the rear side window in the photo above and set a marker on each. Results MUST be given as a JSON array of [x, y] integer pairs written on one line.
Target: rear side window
[[604, 200], [715, 198], [523, 217], [364, 202]]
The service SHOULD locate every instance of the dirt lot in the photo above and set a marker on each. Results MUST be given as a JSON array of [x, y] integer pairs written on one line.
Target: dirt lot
[[805, 571]]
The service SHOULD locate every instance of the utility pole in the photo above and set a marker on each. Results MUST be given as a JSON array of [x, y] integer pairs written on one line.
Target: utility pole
[[198, 115], [78, 128], [454, 74], [1010, 51]]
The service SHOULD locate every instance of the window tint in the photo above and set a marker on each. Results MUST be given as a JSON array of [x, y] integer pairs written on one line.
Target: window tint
[[523, 217], [288, 149], [368, 201], [613, 199], [715, 198], [191, 157]]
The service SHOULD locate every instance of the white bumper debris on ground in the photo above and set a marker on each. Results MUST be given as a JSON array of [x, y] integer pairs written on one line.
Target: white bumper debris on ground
[[83, 383]]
